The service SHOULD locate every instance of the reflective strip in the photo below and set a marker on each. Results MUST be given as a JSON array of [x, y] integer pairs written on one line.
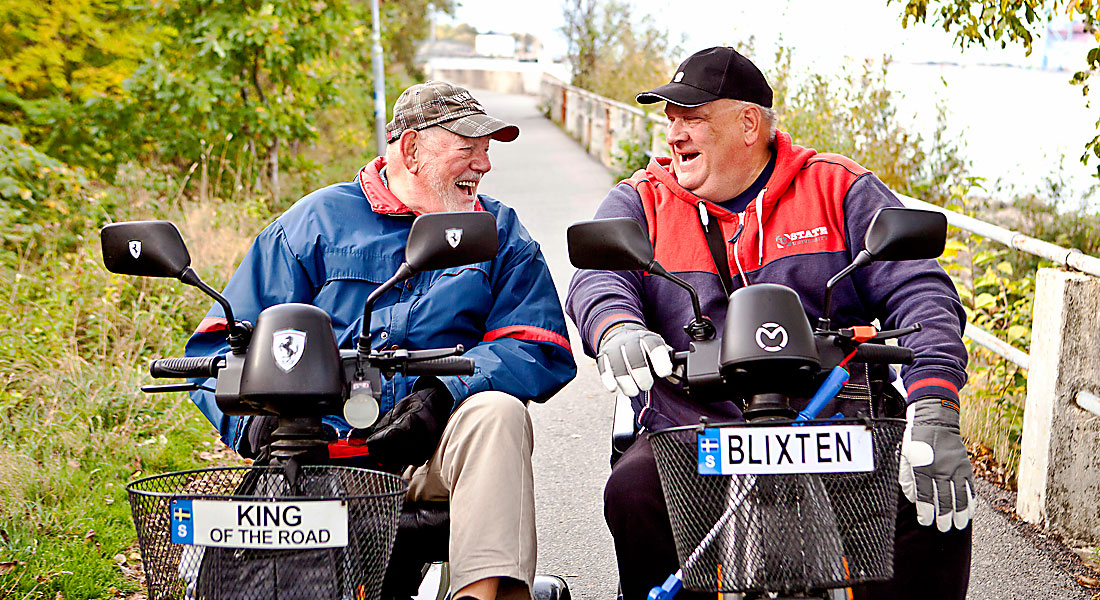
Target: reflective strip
[[212, 324], [526, 332], [932, 382]]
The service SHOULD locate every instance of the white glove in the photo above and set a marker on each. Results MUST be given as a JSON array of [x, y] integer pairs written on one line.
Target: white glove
[[626, 356], [935, 471]]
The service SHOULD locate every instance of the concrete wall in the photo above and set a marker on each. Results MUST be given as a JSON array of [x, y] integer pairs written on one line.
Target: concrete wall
[[601, 125], [1059, 481]]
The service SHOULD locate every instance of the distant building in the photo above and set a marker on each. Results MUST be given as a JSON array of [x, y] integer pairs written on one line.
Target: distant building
[[496, 45]]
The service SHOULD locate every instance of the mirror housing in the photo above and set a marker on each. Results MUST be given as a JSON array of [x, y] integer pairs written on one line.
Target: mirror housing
[[610, 245], [442, 240], [620, 244], [906, 234], [145, 248]]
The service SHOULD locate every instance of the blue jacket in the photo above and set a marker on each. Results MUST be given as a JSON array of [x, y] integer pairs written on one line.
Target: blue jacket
[[336, 245]]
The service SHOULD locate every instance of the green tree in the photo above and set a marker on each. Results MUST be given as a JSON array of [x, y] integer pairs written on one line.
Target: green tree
[[62, 69], [614, 54], [256, 70], [1018, 21], [582, 34]]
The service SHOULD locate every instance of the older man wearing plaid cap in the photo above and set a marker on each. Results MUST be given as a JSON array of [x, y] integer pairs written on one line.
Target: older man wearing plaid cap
[[466, 440]]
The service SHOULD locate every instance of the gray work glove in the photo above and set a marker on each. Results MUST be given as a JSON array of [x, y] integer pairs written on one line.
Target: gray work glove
[[627, 353], [935, 470]]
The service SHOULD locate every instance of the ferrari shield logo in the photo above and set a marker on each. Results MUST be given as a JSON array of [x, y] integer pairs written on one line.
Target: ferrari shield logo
[[287, 346], [135, 248], [454, 237]]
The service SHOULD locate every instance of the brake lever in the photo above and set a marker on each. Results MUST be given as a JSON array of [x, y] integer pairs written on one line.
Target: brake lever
[[896, 333], [190, 386]]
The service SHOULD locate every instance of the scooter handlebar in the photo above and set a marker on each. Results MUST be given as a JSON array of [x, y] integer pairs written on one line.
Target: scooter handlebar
[[198, 366], [448, 365], [882, 354]]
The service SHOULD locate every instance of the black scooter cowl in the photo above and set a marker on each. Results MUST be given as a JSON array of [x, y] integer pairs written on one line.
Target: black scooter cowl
[[293, 363], [767, 341]]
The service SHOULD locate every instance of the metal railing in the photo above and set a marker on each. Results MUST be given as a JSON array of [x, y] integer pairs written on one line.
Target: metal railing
[[1072, 259]]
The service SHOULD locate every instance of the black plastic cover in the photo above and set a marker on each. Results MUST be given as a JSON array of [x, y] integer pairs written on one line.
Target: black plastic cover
[[609, 244], [145, 248], [767, 344], [442, 240], [293, 365]]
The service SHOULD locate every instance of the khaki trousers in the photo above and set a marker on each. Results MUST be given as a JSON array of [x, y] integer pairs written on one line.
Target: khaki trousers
[[483, 468]]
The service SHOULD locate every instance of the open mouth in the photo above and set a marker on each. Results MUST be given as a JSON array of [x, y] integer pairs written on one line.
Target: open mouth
[[687, 157], [467, 187]]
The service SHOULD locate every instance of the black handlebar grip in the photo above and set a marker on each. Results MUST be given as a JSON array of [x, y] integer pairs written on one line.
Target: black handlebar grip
[[883, 354], [448, 365], [198, 366]]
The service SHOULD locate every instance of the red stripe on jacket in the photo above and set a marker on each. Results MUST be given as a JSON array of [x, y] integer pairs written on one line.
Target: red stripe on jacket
[[212, 324], [528, 333], [932, 381]]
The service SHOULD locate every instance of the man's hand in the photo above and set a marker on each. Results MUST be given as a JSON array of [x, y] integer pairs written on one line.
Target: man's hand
[[935, 470], [408, 433], [626, 355]]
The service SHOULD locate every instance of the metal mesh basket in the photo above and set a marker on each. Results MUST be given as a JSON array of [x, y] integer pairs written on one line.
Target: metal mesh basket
[[352, 572], [781, 533]]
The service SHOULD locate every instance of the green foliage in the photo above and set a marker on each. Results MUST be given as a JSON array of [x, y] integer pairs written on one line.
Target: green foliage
[[854, 115], [632, 156], [260, 71], [74, 426], [612, 53], [1018, 21], [998, 298], [45, 203], [62, 71]]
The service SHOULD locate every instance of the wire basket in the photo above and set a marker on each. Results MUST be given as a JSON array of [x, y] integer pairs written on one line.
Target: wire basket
[[783, 533], [353, 571]]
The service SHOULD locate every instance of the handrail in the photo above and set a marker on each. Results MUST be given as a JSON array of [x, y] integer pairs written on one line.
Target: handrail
[[1071, 258]]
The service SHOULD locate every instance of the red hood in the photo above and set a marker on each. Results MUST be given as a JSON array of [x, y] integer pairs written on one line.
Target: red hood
[[789, 160], [382, 200]]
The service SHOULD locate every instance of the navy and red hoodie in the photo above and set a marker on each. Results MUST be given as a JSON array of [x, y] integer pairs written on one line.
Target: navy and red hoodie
[[806, 225]]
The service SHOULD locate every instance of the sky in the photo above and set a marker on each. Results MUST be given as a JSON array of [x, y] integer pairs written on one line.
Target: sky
[[985, 89]]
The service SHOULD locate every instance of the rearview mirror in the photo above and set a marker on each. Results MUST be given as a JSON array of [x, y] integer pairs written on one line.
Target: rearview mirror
[[610, 245], [442, 240], [146, 248], [906, 234]]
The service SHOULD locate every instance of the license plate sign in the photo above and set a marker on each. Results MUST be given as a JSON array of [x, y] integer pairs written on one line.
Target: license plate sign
[[782, 450], [274, 525]]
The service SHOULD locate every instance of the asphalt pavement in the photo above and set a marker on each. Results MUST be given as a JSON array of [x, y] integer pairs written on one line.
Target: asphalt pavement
[[552, 182]]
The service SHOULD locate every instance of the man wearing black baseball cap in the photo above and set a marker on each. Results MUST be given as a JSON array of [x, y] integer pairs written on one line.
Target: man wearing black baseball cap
[[737, 203], [464, 440]]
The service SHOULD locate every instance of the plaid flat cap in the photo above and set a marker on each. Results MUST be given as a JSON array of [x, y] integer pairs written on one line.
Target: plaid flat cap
[[449, 106]]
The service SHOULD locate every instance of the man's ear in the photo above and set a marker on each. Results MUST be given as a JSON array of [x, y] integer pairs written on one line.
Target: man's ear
[[751, 121], [410, 150]]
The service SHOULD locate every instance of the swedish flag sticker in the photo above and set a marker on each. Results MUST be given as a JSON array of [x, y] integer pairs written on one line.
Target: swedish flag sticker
[[183, 530], [710, 452]]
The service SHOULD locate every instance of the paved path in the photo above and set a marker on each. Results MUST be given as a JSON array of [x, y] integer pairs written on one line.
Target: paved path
[[552, 182]]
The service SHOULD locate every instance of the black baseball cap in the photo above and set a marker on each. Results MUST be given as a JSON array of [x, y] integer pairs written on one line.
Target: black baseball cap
[[711, 74]]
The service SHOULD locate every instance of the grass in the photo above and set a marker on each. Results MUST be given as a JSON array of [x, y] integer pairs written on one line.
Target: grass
[[74, 425]]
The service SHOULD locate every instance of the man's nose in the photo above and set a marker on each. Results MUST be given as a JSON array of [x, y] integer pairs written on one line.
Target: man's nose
[[481, 162], [676, 133]]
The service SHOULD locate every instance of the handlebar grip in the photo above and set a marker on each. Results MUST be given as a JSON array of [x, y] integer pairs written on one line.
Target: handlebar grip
[[448, 365], [197, 366], [883, 354]]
